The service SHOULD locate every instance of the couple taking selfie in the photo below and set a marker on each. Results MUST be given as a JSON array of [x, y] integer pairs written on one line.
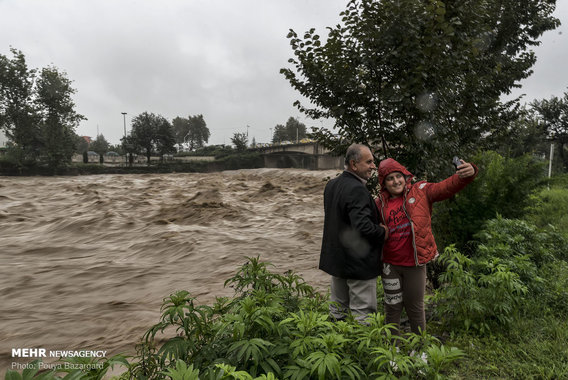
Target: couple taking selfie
[[389, 236]]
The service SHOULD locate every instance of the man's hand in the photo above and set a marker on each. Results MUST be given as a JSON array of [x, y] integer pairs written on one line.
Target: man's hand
[[465, 170], [386, 231]]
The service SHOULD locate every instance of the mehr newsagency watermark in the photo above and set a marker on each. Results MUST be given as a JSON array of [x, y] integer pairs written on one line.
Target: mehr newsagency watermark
[[41, 353]]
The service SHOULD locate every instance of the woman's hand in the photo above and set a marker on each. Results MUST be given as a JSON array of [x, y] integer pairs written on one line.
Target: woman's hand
[[465, 170]]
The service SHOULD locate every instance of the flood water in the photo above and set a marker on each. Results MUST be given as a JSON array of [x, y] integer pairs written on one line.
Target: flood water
[[86, 261]]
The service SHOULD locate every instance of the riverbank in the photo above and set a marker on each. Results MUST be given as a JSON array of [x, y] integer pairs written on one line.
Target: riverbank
[[251, 160]]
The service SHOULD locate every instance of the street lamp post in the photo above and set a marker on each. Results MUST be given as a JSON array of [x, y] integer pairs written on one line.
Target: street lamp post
[[125, 154], [124, 115]]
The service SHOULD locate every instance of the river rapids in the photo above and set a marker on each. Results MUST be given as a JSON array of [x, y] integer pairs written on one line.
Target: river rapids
[[86, 261]]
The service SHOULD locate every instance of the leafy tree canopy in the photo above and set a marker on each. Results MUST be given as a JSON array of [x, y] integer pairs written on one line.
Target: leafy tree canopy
[[523, 135], [150, 133], [37, 112], [240, 140], [421, 79], [81, 145], [192, 131], [294, 130], [100, 145]]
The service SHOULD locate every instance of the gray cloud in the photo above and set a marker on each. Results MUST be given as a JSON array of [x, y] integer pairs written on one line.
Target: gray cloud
[[218, 58]]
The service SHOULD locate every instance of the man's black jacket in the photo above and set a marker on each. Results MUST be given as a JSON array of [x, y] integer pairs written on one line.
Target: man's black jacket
[[352, 238]]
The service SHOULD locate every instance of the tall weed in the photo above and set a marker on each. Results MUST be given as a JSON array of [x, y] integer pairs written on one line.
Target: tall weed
[[548, 209]]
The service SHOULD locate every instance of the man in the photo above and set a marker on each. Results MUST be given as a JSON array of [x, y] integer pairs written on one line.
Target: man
[[352, 237]]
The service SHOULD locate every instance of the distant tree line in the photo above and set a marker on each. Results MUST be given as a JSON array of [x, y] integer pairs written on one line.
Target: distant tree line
[[37, 114]]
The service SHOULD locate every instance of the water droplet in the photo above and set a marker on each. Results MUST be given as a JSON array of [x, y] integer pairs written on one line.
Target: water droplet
[[426, 102], [425, 130]]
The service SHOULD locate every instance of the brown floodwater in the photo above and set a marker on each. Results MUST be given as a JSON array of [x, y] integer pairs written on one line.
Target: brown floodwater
[[86, 261]]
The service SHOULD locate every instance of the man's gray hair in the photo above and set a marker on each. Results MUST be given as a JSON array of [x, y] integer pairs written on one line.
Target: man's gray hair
[[354, 153]]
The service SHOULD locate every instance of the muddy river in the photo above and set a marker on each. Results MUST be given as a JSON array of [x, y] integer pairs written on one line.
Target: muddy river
[[86, 261]]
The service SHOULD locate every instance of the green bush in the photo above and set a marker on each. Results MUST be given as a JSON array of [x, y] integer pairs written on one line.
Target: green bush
[[503, 186], [537, 255], [515, 264], [277, 326], [478, 295]]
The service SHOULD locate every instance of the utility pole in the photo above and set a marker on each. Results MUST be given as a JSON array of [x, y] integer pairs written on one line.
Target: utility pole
[[125, 154], [124, 116], [550, 161]]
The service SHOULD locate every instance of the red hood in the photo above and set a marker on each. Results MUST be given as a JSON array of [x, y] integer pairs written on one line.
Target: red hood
[[389, 166]]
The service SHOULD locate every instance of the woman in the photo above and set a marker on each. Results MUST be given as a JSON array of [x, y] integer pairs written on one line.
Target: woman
[[406, 210]]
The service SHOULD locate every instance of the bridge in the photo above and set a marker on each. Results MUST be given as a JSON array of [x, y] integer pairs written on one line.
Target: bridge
[[309, 155]]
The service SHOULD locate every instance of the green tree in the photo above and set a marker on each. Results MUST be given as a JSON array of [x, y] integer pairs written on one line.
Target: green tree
[[422, 79], [37, 112], [59, 118], [192, 131], [294, 130], [181, 128], [100, 145], [279, 134], [553, 115], [150, 134], [130, 147], [240, 140], [523, 135], [81, 145], [166, 139], [18, 116], [118, 148]]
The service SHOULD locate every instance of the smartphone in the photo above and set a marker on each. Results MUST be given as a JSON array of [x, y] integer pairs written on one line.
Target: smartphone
[[456, 161]]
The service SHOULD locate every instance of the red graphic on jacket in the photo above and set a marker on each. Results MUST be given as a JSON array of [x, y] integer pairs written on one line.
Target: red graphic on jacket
[[398, 248]]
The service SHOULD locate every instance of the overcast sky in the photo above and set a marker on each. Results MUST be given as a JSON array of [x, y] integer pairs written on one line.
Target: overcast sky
[[219, 58]]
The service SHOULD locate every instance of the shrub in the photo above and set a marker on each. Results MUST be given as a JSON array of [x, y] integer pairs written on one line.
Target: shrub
[[515, 264], [277, 326], [476, 295], [503, 187]]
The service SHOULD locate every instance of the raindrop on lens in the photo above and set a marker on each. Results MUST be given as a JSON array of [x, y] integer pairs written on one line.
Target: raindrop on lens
[[426, 102], [424, 130]]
